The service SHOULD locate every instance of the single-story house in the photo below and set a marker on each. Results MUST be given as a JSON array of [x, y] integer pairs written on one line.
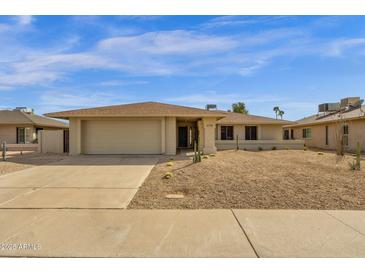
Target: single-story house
[[157, 128], [344, 123], [21, 126]]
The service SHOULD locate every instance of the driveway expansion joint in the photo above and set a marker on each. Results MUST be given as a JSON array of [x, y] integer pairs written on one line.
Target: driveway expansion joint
[[344, 223], [244, 232]]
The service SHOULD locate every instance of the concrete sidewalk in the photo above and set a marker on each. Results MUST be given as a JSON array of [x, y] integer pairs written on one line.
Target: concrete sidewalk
[[181, 233]]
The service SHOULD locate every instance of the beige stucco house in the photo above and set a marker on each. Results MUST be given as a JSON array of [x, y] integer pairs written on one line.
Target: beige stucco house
[[21, 126], [157, 128], [346, 123]]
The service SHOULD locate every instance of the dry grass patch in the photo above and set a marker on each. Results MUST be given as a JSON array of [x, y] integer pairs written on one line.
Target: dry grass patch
[[267, 179]]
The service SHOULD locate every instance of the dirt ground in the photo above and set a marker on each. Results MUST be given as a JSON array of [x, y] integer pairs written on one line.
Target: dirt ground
[[16, 162], [267, 179]]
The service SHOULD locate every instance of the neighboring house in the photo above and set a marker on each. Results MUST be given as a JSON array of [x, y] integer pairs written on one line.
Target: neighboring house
[[21, 126], [156, 128], [336, 122]]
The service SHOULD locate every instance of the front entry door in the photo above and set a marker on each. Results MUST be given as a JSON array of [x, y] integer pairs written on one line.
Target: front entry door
[[183, 137]]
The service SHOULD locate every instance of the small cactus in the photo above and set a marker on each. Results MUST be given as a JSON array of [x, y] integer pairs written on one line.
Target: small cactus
[[170, 164], [168, 175], [205, 157]]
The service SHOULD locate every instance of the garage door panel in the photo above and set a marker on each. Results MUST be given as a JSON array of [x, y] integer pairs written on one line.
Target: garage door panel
[[122, 137]]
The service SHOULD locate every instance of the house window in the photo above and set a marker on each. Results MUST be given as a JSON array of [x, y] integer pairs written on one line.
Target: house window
[[251, 132], [345, 135], [20, 135], [326, 135], [307, 133], [23, 135], [286, 134], [226, 132]]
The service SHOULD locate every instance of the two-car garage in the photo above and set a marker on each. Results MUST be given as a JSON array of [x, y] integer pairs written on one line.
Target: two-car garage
[[123, 136]]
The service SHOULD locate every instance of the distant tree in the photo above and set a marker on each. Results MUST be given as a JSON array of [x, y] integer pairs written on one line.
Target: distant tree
[[239, 107], [281, 113], [276, 110]]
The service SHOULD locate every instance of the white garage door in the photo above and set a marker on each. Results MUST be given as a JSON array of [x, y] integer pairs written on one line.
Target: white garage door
[[122, 137]]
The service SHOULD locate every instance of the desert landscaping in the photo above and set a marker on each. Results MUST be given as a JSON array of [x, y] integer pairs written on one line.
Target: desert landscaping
[[280, 179]]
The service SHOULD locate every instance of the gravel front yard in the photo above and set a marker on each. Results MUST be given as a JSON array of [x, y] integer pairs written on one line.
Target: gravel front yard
[[266, 179], [16, 162]]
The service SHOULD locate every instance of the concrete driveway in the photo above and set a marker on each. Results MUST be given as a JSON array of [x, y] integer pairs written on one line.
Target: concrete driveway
[[77, 182]]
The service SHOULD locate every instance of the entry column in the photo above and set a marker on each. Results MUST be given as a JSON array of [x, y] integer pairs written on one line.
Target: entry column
[[209, 125]]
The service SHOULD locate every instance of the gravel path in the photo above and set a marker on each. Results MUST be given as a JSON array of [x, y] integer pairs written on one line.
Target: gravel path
[[267, 179]]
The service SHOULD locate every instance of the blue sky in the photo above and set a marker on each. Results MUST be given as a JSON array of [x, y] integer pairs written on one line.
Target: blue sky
[[53, 63]]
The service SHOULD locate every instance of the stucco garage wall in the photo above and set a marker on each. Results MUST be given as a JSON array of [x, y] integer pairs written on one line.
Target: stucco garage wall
[[123, 136]]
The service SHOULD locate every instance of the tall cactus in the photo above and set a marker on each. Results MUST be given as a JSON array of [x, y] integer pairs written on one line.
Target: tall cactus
[[197, 154]]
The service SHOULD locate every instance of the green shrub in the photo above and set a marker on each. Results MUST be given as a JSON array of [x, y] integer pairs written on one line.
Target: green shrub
[[168, 175], [273, 148], [212, 155], [260, 148], [320, 153], [170, 164], [205, 157]]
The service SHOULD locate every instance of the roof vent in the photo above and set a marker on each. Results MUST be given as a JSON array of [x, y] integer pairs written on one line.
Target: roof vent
[[328, 107], [25, 110], [210, 106], [350, 102]]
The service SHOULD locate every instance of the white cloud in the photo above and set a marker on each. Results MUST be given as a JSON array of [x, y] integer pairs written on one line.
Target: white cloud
[[115, 83], [249, 70], [224, 97], [55, 100], [232, 21], [28, 78], [338, 47], [168, 42], [24, 20], [163, 53]]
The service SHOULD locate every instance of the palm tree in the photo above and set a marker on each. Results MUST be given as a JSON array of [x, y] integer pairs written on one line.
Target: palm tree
[[281, 113], [276, 109]]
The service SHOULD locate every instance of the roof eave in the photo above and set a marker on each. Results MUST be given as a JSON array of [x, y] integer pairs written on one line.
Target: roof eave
[[325, 122]]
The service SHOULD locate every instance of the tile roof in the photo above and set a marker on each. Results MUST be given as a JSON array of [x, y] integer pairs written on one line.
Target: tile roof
[[239, 118], [13, 117], [358, 113], [145, 109]]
